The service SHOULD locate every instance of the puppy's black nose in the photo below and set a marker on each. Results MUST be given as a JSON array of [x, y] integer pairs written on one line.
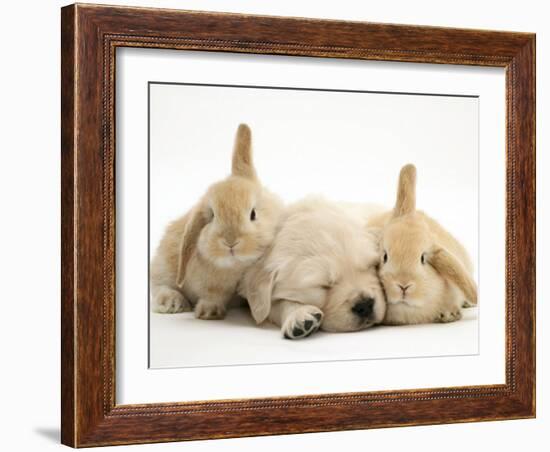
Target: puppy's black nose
[[363, 308]]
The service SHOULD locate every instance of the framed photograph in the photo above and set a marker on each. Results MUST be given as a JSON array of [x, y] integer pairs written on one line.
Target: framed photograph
[[280, 225]]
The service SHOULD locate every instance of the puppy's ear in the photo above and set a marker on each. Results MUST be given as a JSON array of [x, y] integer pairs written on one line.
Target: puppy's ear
[[450, 268], [188, 243], [375, 234], [406, 191], [259, 287], [242, 165]]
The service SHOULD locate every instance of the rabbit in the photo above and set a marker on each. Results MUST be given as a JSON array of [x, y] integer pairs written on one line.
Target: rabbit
[[425, 271], [203, 254], [319, 273]]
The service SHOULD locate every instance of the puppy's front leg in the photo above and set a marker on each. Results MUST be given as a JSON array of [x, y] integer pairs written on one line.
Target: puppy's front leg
[[295, 319]]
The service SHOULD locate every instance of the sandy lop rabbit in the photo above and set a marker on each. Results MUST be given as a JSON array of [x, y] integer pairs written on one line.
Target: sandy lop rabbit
[[425, 271], [203, 254]]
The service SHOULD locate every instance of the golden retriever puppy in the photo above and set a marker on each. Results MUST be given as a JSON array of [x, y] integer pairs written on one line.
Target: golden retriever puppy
[[320, 272]]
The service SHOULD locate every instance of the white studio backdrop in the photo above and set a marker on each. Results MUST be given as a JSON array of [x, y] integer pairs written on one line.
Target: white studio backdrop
[[30, 185], [344, 145], [192, 130]]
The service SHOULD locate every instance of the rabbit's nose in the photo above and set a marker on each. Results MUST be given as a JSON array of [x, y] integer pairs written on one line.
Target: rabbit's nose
[[229, 237], [404, 288], [232, 244]]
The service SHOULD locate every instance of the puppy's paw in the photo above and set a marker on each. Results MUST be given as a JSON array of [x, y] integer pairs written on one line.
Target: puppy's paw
[[303, 322], [209, 310], [468, 304], [449, 316], [170, 301]]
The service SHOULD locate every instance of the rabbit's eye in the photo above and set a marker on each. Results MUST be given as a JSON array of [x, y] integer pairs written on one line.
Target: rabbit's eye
[[253, 215], [423, 258], [385, 258]]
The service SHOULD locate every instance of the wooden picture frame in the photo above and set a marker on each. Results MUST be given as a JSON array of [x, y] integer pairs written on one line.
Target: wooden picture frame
[[90, 35]]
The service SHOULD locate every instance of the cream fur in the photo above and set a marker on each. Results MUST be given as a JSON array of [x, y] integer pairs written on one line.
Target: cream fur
[[203, 254], [320, 264], [434, 290]]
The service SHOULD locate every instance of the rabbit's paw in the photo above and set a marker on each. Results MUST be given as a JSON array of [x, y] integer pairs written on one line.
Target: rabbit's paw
[[170, 301], [448, 316], [209, 310]]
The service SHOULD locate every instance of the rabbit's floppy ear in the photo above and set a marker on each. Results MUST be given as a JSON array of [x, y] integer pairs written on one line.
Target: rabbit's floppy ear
[[450, 268], [259, 285], [242, 154], [189, 241], [406, 191]]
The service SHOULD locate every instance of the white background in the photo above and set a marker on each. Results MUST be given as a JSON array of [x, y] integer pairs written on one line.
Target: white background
[[30, 195]]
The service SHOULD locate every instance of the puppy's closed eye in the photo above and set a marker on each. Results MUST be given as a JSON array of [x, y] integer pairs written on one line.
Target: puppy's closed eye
[[327, 285]]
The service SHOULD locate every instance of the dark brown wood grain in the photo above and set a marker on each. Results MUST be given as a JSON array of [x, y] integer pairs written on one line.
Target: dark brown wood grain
[[90, 35], [67, 226]]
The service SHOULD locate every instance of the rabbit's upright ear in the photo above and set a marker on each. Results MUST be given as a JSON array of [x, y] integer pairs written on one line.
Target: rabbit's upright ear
[[189, 241], [259, 287], [406, 191], [450, 268], [242, 154]]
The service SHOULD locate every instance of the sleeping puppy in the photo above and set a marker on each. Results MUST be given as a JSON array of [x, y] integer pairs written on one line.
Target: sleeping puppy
[[320, 272]]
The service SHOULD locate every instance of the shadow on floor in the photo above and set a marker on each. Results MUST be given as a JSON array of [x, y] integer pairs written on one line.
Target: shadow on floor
[[50, 433]]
